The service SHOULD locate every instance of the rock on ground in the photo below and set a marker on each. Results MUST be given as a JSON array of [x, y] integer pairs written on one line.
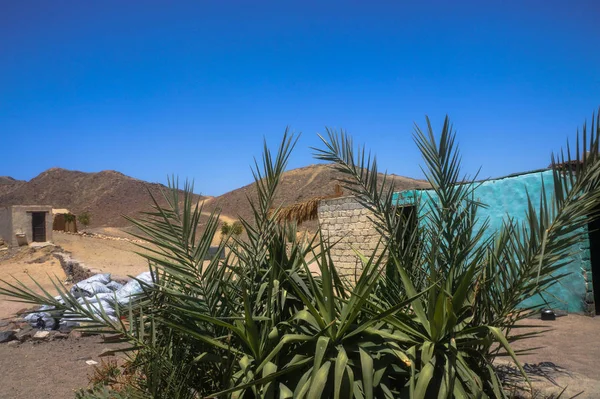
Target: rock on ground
[[41, 335], [6, 336]]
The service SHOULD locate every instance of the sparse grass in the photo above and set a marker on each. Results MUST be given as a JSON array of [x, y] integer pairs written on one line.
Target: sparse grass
[[109, 380]]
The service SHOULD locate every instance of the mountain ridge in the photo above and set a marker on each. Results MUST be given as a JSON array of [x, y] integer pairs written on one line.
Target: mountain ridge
[[109, 194]]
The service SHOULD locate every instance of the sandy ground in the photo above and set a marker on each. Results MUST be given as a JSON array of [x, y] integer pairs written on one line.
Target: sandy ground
[[570, 344], [116, 257], [29, 264], [55, 369], [111, 256]]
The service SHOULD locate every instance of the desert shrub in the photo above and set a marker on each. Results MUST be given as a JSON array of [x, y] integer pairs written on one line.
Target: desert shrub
[[258, 324], [105, 373], [69, 218], [84, 218], [236, 228], [108, 380], [104, 392]]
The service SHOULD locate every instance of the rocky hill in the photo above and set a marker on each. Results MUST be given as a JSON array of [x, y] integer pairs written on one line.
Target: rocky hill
[[8, 184], [108, 195], [9, 180], [298, 185]]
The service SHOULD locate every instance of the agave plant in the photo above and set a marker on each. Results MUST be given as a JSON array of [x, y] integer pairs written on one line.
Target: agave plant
[[435, 304]]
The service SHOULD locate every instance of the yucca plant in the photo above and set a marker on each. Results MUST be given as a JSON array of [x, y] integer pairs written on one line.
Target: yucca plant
[[435, 303]]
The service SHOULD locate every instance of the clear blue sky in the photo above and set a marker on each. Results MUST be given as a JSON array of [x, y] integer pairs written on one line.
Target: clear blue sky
[[190, 87]]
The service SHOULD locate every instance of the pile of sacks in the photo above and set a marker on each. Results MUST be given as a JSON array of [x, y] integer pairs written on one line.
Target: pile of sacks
[[97, 293]]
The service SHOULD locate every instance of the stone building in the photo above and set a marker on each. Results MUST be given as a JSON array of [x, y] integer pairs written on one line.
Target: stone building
[[24, 224], [346, 222]]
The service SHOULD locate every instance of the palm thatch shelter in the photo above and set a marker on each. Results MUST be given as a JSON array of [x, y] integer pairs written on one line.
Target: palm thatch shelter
[[64, 220], [304, 211]]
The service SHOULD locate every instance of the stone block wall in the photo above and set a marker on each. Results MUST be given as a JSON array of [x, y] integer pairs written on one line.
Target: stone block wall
[[348, 226], [584, 257]]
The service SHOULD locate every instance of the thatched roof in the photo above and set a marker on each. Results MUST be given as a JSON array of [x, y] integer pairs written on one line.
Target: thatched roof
[[306, 210], [301, 211], [60, 211]]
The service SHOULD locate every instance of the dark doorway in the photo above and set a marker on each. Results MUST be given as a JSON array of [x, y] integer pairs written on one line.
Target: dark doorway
[[38, 224], [594, 234]]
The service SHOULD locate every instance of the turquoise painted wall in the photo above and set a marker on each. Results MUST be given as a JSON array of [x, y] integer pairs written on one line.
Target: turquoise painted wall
[[508, 196]]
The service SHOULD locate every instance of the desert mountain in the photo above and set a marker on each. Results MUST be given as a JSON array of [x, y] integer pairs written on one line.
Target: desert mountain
[[298, 185], [9, 180], [8, 184], [108, 194]]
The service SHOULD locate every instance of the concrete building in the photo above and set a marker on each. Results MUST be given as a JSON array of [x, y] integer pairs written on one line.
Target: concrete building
[[24, 224], [346, 222]]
